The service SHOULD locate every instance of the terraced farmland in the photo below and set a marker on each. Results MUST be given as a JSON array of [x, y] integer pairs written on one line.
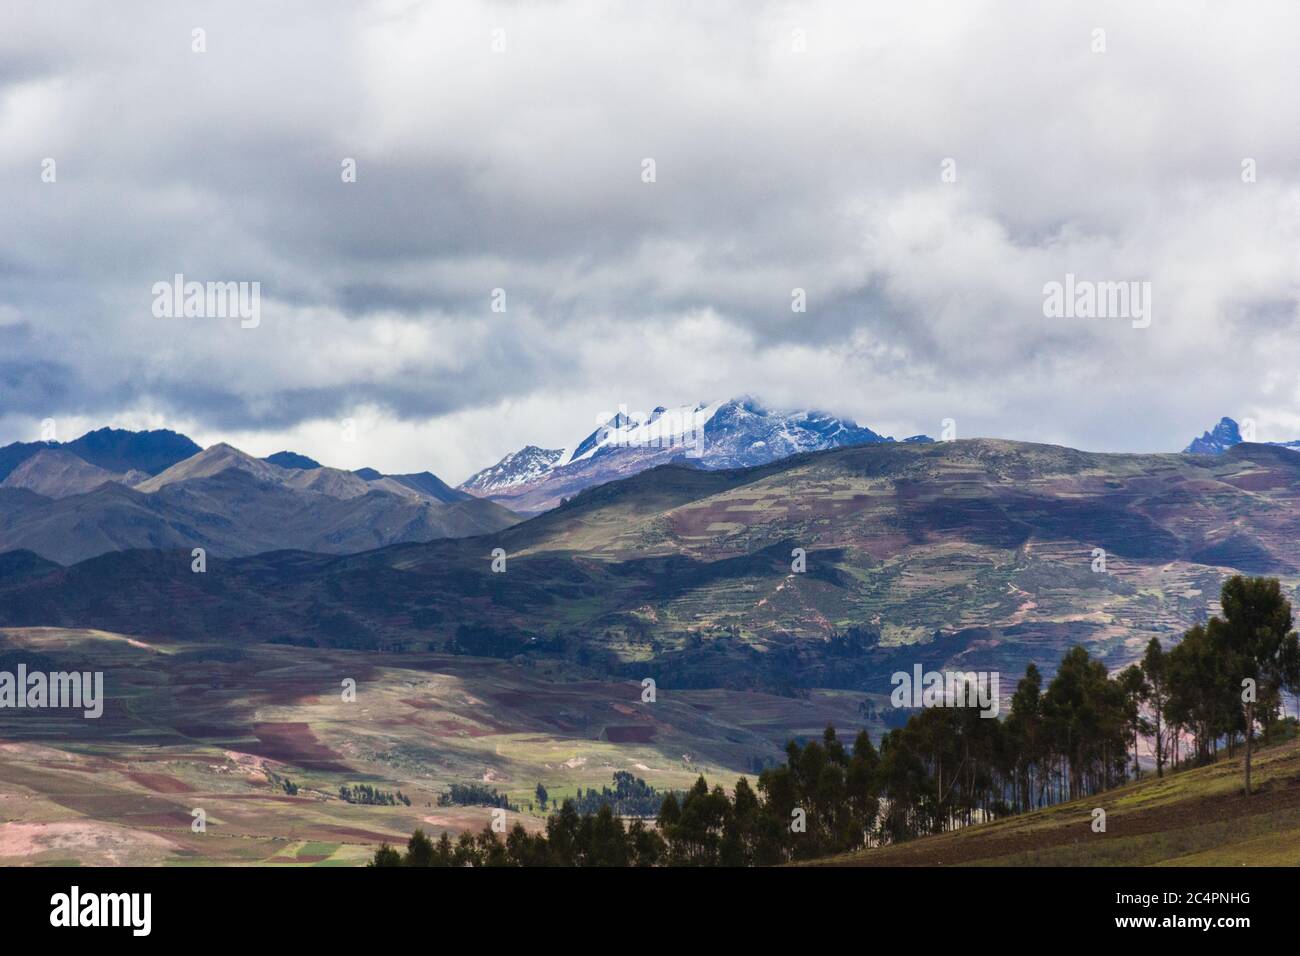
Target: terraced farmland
[[221, 730]]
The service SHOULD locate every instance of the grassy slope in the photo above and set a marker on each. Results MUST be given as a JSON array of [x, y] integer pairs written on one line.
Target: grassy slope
[[1197, 817]]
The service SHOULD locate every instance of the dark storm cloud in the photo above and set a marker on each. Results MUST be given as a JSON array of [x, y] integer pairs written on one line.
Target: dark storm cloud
[[777, 169]]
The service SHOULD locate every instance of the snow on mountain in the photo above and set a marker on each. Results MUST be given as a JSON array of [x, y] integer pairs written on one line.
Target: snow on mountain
[[682, 427], [734, 434], [522, 467]]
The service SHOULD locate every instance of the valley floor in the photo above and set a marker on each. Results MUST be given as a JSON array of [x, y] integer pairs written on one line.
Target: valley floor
[[222, 729]]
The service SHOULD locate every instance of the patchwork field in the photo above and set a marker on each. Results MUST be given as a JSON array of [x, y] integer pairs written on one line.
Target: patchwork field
[[230, 731]]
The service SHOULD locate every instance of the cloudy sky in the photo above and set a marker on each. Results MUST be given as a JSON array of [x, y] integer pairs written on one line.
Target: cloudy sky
[[503, 146]]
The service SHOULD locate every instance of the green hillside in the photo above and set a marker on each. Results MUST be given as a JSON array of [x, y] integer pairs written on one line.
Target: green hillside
[[1196, 817]]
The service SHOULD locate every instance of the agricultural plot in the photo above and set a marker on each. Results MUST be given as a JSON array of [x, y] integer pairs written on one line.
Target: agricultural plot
[[260, 739]]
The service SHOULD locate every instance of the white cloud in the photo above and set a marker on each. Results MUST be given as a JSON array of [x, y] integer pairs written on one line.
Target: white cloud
[[521, 170]]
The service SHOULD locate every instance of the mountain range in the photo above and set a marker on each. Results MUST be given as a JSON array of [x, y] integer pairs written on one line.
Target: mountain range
[[113, 450], [63, 503], [114, 490], [979, 554], [739, 433]]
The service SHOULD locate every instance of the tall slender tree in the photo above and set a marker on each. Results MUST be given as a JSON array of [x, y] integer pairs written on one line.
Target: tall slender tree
[[1155, 666], [1134, 686], [1261, 645]]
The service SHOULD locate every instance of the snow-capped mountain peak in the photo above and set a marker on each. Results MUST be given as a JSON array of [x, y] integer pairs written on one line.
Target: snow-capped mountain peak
[[732, 434], [522, 467], [663, 429]]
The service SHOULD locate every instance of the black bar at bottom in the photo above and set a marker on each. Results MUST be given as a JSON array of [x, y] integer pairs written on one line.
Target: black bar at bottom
[[661, 907]]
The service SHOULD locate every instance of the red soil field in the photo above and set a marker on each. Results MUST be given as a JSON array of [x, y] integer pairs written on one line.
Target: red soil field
[[161, 783]]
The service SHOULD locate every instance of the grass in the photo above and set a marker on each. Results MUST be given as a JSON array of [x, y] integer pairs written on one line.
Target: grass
[[1196, 817]]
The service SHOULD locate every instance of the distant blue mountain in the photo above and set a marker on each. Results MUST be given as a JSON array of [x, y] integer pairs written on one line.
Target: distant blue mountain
[[427, 483], [1217, 440], [113, 449], [118, 450], [1225, 435], [291, 459]]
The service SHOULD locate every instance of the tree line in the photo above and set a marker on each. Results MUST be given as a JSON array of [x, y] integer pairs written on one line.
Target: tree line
[[629, 797], [367, 795], [475, 795], [947, 767]]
